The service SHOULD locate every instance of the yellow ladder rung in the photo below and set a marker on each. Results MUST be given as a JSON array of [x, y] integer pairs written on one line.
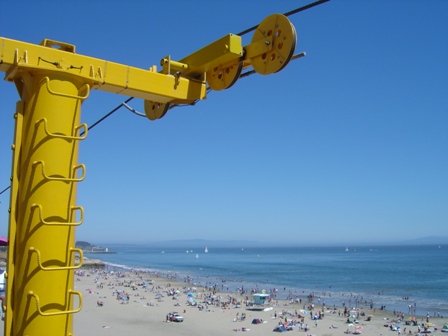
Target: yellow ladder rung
[[81, 129], [85, 87], [81, 167], [72, 250], [66, 312], [73, 208]]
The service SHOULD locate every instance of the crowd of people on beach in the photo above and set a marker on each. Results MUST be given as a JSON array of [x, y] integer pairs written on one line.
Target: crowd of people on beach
[[211, 295]]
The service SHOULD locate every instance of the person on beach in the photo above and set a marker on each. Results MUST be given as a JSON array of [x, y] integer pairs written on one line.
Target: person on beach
[[3, 300]]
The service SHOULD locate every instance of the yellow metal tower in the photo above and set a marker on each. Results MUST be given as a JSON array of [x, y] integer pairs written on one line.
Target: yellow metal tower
[[53, 81]]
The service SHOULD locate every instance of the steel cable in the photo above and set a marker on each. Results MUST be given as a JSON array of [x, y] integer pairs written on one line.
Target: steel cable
[[125, 103]]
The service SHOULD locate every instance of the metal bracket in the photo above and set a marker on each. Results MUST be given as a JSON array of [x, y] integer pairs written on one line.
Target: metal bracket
[[70, 292], [81, 167], [72, 250], [73, 208], [82, 127]]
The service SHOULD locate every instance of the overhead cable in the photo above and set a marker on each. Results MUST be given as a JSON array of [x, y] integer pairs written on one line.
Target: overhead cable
[[246, 74], [294, 11]]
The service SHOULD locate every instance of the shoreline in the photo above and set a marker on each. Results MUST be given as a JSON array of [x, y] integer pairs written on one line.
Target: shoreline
[[133, 300], [328, 297], [136, 301], [289, 294]]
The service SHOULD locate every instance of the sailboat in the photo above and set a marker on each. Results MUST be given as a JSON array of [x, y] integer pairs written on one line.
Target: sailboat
[[197, 255], [346, 249], [206, 250]]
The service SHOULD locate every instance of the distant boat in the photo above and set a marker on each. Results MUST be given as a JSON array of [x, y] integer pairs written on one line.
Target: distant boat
[[346, 249], [197, 255], [187, 251], [162, 252], [206, 250]]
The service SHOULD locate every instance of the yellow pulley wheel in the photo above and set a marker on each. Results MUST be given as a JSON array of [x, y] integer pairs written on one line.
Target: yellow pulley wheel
[[278, 36], [154, 110], [224, 76]]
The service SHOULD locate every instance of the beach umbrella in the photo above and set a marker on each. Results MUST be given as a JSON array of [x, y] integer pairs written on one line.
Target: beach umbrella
[[358, 330], [190, 294], [302, 311], [3, 241]]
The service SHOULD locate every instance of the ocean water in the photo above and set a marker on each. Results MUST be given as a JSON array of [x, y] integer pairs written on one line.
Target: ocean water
[[393, 276]]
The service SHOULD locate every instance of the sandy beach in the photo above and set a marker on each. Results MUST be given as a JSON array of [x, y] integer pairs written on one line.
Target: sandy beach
[[136, 303], [125, 302]]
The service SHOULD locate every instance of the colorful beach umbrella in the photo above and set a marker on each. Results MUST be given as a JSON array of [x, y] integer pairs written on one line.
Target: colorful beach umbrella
[[358, 330], [3, 241]]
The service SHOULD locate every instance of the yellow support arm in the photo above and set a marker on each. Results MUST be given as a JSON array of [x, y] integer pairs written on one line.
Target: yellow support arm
[[53, 81], [17, 57]]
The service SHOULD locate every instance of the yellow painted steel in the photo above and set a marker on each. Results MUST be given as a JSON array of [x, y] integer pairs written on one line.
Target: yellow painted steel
[[224, 76], [155, 110], [224, 50], [99, 74], [42, 299], [53, 81], [273, 44], [12, 227]]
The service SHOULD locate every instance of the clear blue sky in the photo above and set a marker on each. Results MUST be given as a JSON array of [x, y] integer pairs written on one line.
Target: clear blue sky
[[349, 144]]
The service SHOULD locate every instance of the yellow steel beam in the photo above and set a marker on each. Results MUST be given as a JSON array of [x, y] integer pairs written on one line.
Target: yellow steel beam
[[179, 82], [51, 56], [51, 78], [224, 50]]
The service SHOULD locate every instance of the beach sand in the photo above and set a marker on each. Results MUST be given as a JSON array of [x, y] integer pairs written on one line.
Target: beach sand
[[140, 312]]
